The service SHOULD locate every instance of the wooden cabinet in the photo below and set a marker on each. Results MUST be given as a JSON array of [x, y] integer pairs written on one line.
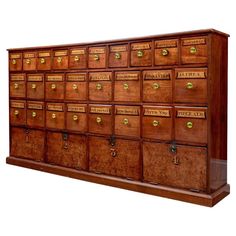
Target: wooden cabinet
[[146, 114]]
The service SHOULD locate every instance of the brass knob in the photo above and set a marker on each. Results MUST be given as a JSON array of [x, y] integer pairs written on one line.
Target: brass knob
[[59, 59], [33, 86], [125, 121], [189, 125], [34, 114], [96, 57], [76, 58], [189, 85], [125, 86], [155, 123], [16, 86], [164, 52], [156, 86], [75, 86], [28, 61], [139, 53], [54, 116], [16, 112], [42, 60], [75, 117], [117, 55], [99, 120], [13, 62], [53, 86], [98, 86], [193, 50]]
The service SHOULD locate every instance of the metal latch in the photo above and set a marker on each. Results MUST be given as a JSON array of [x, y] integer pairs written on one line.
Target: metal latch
[[65, 139]]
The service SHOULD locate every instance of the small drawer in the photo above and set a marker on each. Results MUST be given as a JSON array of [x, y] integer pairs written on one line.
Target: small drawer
[[29, 60], [78, 58], [127, 86], [97, 57], [166, 52], [35, 114], [118, 56], [100, 119], [44, 60], [191, 124], [76, 86], [141, 54], [194, 50], [157, 122], [100, 88], [60, 60], [17, 85], [15, 61], [54, 86], [35, 86], [191, 85], [55, 116], [17, 112], [157, 86], [76, 117], [127, 121]]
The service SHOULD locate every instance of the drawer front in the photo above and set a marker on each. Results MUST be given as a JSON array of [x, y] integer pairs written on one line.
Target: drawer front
[[118, 56], [194, 50], [35, 114], [76, 86], [127, 121], [35, 86], [191, 85], [166, 52], [17, 85], [60, 60], [97, 57], [157, 122], [44, 60], [162, 166], [157, 86], [15, 61], [100, 119], [54, 86], [78, 58], [67, 150], [55, 116], [121, 159], [17, 112], [29, 60], [27, 143], [127, 86], [76, 117], [100, 88], [141, 54], [191, 124]]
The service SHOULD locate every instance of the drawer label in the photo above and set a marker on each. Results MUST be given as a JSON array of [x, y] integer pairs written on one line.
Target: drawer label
[[54, 77], [195, 41], [15, 104], [191, 74], [100, 76], [100, 110], [127, 76], [192, 114], [35, 78], [97, 50], [29, 55], [78, 52], [76, 108], [36, 106], [118, 48], [44, 54], [166, 43], [76, 77], [60, 53], [15, 56], [55, 107], [17, 77], [152, 75], [139, 46], [127, 111], [155, 112]]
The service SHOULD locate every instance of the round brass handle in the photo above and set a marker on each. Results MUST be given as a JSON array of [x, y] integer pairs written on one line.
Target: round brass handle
[[76, 58], [193, 50], [16, 86], [117, 55], [33, 86], [155, 123], [156, 86], [189, 125], [34, 114], [54, 116], [42, 60], [28, 61], [59, 59], [189, 85], [96, 57], [75, 117], [75, 86], [99, 120], [13, 62], [164, 52], [125, 86], [125, 121], [140, 53], [16, 112], [98, 86], [53, 86]]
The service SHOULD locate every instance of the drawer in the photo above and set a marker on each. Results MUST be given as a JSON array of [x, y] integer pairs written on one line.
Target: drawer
[[60, 59], [191, 85], [100, 119], [54, 86], [67, 150], [78, 58], [157, 122], [97, 57], [15, 61], [55, 116], [29, 60], [175, 166], [17, 85], [157, 86], [127, 121], [141, 54], [76, 86], [117, 157], [191, 124], [76, 117], [35, 114], [118, 56], [44, 60], [194, 50], [35, 86], [100, 88], [17, 112], [166, 52], [27, 143], [127, 86]]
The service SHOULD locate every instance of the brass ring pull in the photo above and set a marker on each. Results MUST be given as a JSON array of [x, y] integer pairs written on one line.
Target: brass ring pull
[[98, 86], [42, 60], [76, 58], [75, 117], [16, 112], [34, 114], [156, 86], [99, 120], [96, 57], [125, 86], [33, 86], [53, 86], [117, 55], [125, 121], [193, 50], [189, 85], [13, 62], [59, 59], [189, 125], [54, 116], [155, 123], [16, 86], [140, 53], [75, 86], [164, 52]]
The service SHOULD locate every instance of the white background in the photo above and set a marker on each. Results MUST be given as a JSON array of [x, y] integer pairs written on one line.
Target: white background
[[34, 203]]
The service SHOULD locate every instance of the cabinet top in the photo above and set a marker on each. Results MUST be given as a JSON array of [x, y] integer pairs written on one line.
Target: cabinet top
[[115, 41]]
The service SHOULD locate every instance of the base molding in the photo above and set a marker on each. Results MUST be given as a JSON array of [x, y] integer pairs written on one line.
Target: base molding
[[157, 190]]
